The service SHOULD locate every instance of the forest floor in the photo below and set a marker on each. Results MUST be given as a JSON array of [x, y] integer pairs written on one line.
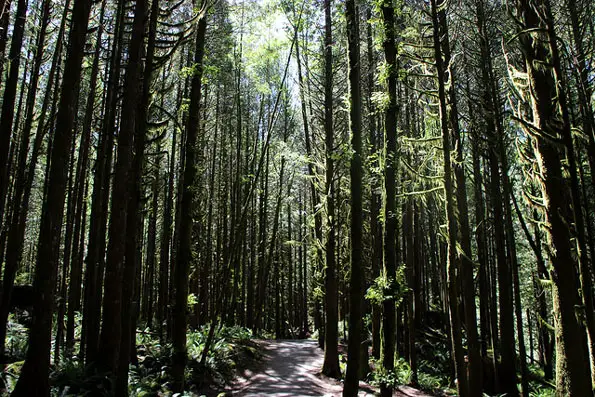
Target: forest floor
[[292, 368]]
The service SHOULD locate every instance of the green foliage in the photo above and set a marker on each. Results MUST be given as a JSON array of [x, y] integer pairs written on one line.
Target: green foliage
[[433, 363], [150, 377], [192, 301], [432, 382], [542, 391], [210, 72], [23, 278], [380, 99], [400, 375], [189, 71], [70, 378], [384, 288], [229, 346], [538, 386], [318, 292], [16, 338], [10, 375]]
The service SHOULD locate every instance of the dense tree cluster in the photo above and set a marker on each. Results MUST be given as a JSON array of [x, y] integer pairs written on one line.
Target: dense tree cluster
[[392, 175]]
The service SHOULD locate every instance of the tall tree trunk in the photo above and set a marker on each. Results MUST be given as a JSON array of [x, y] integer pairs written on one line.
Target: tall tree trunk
[[116, 291], [584, 266], [545, 348], [203, 298], [262, 258], [74, 292], [453, 259], [409, 236], [584, 87], [165, 243], [4, 20], [548, 108], [34, 378], [469, 307], [8, 99], [95, 266], [184, 254], [66, 257], [20, 198], [375, 198], [356, 293], [390, 208], [330, 367], [272, 259], [317, 238], [151, 251], [135, 217]]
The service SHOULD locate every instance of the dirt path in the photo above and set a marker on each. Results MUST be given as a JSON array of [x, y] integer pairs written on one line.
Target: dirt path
[[292, 368]]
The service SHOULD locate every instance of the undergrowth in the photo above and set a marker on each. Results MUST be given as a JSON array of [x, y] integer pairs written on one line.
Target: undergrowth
[[231, 348]]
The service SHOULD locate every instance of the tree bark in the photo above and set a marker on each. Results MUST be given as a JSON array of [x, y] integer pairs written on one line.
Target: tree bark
[[330, 366], [453, 259], [572, 376], [184, 254], [95, 262], [34, 378], [117, 292], [20, 198], [356, 288], [8, 100], [390, 208], [468, 286]]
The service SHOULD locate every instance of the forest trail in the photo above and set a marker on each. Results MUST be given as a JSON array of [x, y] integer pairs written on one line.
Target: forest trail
[[292, 368]]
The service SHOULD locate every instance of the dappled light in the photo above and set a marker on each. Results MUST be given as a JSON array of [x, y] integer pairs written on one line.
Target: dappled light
[[297, 198]]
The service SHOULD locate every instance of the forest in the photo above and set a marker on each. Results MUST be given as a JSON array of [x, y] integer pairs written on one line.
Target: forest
[[408, 185]]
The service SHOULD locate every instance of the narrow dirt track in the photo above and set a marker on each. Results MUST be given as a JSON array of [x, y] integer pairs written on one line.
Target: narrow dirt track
[[292, 368]]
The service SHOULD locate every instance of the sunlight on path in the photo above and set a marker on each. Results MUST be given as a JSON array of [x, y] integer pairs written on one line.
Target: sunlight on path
[[292, 368]]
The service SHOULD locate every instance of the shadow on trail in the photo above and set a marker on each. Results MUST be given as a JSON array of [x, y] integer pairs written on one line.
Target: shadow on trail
[[291, 368]]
